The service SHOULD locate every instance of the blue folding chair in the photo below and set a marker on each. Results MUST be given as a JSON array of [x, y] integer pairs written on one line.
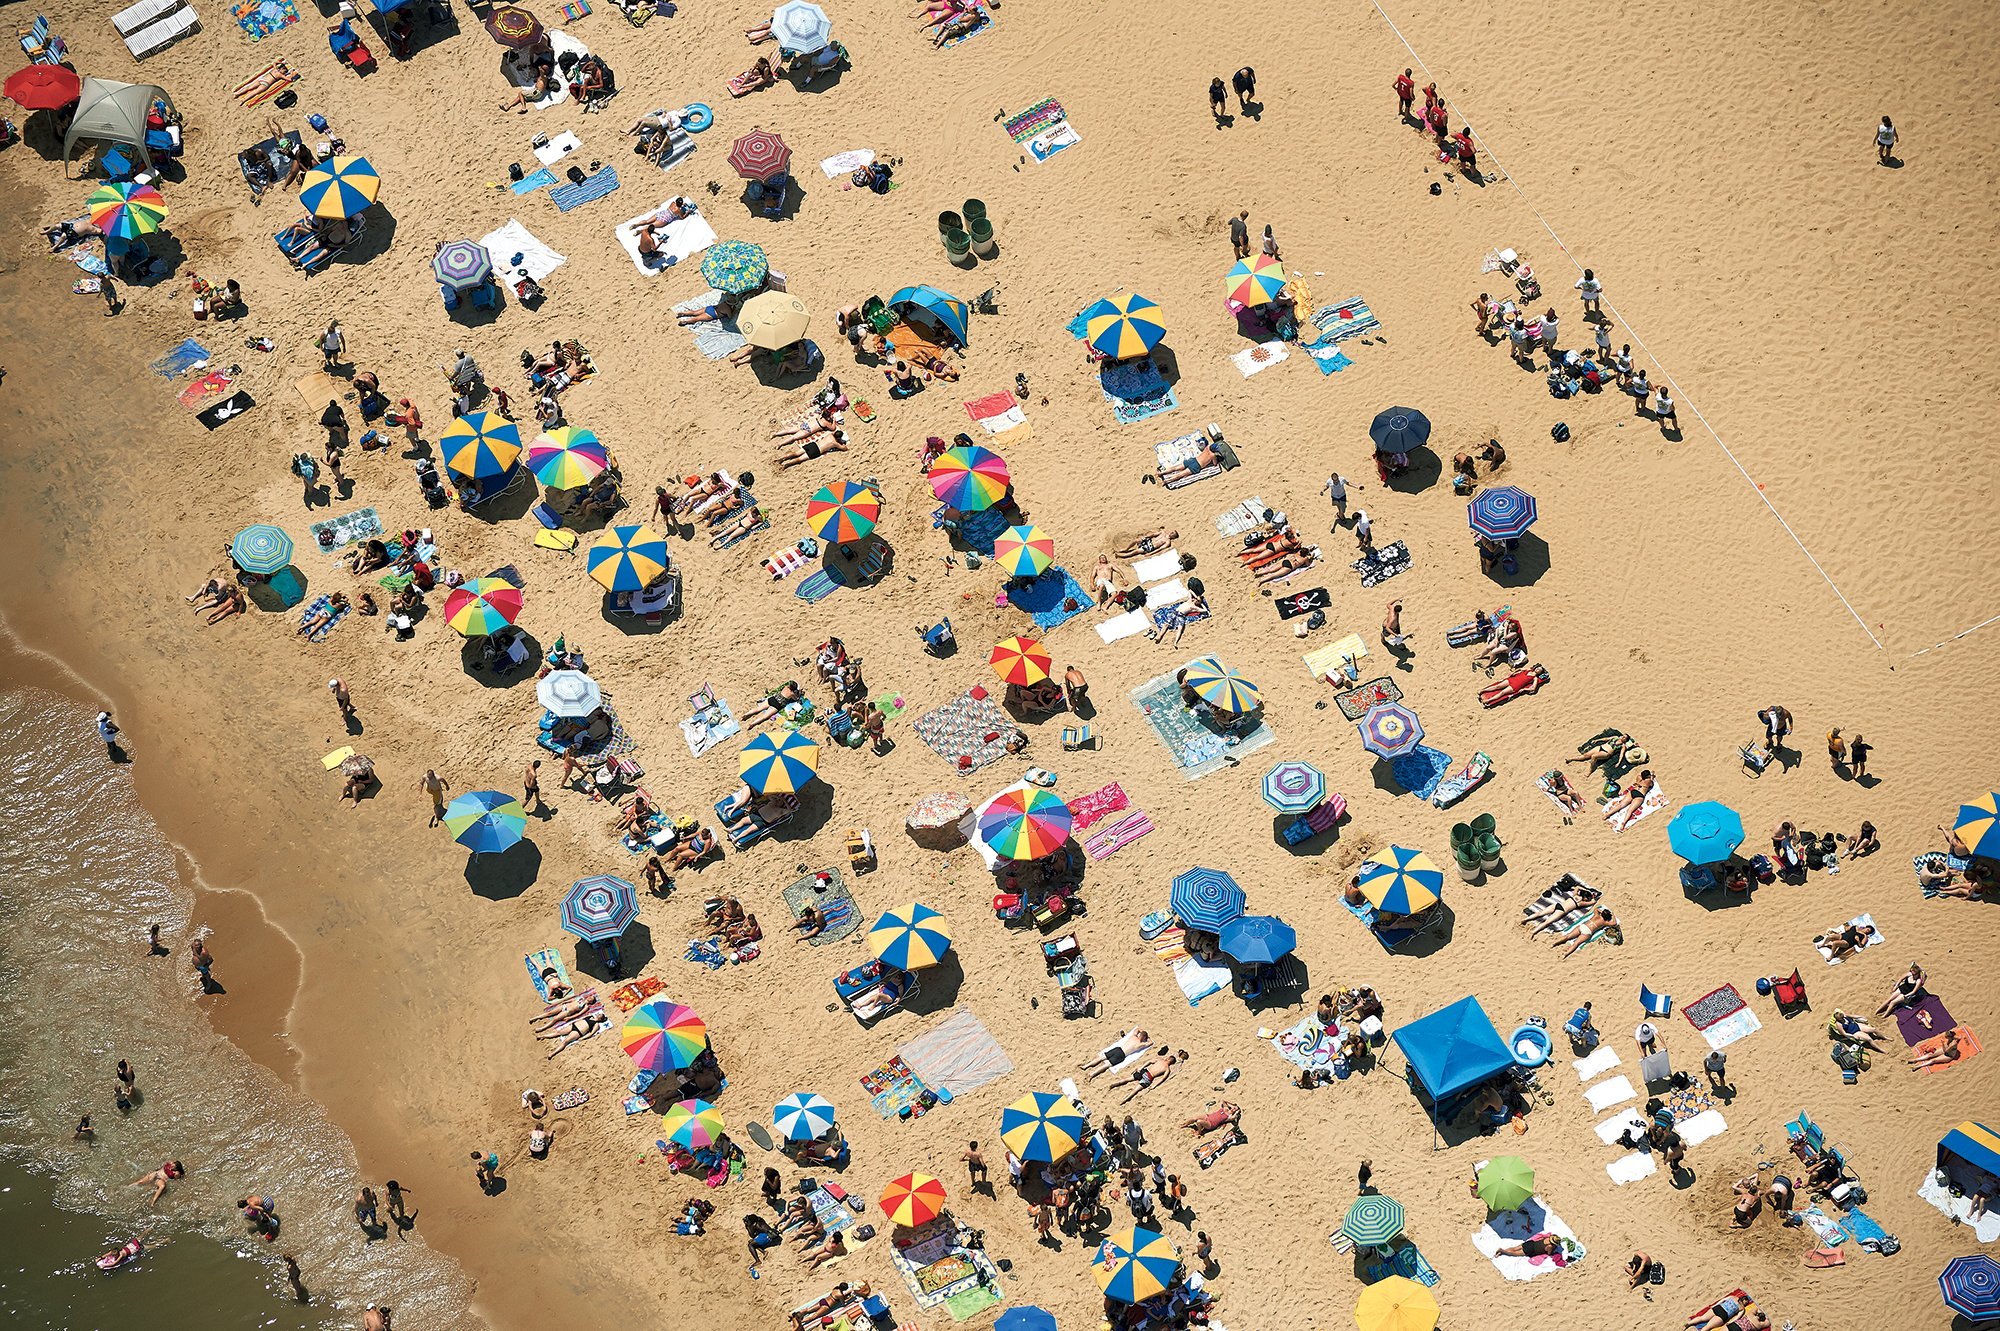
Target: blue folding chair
[[485, 296], [1656, 1005], [938, 639]]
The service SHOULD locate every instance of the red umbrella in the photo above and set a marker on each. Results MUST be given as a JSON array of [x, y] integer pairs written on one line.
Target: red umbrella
[[44, 87], [514, 27], [759, 155]]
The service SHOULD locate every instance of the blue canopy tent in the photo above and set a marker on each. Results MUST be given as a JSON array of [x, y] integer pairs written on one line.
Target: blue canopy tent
[[928, 304], [1452, 1050]]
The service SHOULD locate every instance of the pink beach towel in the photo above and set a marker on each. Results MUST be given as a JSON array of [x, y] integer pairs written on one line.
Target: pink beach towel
[[1087, 809], [1118, 836]]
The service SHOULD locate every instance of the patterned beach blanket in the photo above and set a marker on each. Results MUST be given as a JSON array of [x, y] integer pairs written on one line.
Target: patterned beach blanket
[[958, 731], [1343, 319]]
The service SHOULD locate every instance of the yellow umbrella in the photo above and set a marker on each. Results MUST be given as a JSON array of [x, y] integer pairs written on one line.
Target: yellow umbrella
[[1396, 1304], [773, 319]]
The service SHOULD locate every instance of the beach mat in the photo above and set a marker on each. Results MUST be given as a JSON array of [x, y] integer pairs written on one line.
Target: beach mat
[[1254, 360], [714, 340], [225, 411], [1923, 1020], [998, 413], [892, 1086], [1323, 660], [542, 178], [1119, 835], [264, 18], [179, 359], [1136, 392], [1420, 770], [591, 187], [709, 727], [1087, 809], [678, 241], [1128, 625], [1728, 1030], [1712, 1007], [1235, 521], [546, 959], [1355, 702], [1042, 116], [1656, 799], [1157, 568], [1596, 1063], [836, 901], [1051, 599], [205, 391], [959, 1054], [537, 259], [1295, 604], [959, 729], [1195, 748], [1631, 1168], [336, 534], [1505, 1229], [1343, 319], [1328, 357], [1387, 563], [1608, 1093], [1968, 1046]]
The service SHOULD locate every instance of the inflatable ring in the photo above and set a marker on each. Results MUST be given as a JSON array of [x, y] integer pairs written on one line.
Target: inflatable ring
[[697, 117], [1530, 1045]]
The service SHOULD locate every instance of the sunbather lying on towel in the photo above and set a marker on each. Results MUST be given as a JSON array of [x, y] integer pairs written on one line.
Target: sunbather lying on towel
[[325, 615], [1516, 684], [1223, 1115], [1128, 1044], [571, 1032], [1149, 1074], [1729, 1312], [806, 425], [1176, 618], [935, 12], [1556, 903], [743, 525], [566, 1011], [883, 996], [1198, 461], [958, 26], [1288, 565], [1280, 545], [1601, 753], [812, 446], [1846, 939], [724, 308], [1631, 797], [1601, 922], [1510, 639], [1561, 791], [1147, 545], [760, 75]]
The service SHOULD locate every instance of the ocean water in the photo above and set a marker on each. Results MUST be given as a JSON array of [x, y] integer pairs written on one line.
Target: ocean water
[[83, 871]]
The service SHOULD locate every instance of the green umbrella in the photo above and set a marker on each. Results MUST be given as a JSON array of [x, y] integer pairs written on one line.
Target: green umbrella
[[1506, 1184]]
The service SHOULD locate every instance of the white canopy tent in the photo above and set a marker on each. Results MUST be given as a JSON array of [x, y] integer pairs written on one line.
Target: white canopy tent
[[114, 112]]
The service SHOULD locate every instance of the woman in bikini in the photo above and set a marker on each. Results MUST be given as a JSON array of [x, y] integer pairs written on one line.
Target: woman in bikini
[[1564, 900], [1635, 795], [812, 423], [1948, 1052], [1286, 566]]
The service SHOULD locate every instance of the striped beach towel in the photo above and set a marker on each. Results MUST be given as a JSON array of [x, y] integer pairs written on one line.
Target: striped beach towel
[[1342, 319], [1042, 115], [590, 187], [1118, 836], [265, 84]]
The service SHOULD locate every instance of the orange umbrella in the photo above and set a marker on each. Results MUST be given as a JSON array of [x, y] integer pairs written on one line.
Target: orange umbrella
[[1022, 661], [914, 1199]]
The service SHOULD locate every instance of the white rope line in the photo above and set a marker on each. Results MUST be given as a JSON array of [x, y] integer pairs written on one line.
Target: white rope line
[[1962, 633], [1667, 374]]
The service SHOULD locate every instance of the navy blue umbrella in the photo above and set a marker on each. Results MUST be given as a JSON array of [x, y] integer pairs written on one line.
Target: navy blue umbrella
[[1399, 429], [1971, 1286], [1503, 513]]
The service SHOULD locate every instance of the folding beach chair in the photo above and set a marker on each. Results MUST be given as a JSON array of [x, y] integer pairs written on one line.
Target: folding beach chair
[[938, 639], [43, 47], [1790, 992], [1078, 737], [1656, 1005]]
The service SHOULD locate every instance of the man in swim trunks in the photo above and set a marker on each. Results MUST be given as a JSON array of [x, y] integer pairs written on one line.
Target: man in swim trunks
[[1151, 1073]]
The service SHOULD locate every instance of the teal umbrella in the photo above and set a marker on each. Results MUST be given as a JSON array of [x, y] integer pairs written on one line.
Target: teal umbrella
[[261, 548], [735, 266]]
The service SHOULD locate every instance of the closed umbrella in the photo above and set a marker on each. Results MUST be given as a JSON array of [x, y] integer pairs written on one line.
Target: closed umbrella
[[261, 548], [735, 266], [599, 908], [783, 766], [1399, 429], [1506, 1183], [44, 87], [663, 1036], [910, 937], [1221, 686], [970, 479], [569, 693], [912, 1200], [482, 606], [773, 319], [462, 264], [1042, 1127], [126, 210], [803, 1116], [1396, 1304], [1373, 1220], [1123, 326], [1705, 833], [1022, 661], [566, 456], [486, 820], [1390, 730], [1400, 881], [1978, 825], [843, 511], [1025, 823], [479, 445], [936, 306], [801, 27], [1503, 513], [1024, 552], [759, 155], [1255, 281], [1135, 1264], [514, 27], [1294, 787], [1258, 940], [340, 187], [1971, 1286], [625, 559], [1205, 899], [694, 1124]]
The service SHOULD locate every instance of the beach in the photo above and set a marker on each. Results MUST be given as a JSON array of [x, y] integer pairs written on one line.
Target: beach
[[1820, 550]]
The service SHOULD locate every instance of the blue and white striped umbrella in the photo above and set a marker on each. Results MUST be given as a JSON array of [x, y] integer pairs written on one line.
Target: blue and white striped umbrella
[[1205, 898], [1503, 513], [599, 908], [1390, 730], [802, 1116], [801, 27], [462, 264], [261, 548]]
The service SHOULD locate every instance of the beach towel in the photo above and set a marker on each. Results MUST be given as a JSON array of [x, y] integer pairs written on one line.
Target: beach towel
[[1323, 660], [998, 413], [784, 563], [632, 993], [1619, 1124], [594, 186], [1195, 748], [980, 1296], [1128, 625], [204, 391], [1534, 1220], [186, 356], [958, 731], [1263, 356], [1343, 319], [1694, 1131], [1631, 1168], [1986, 1228], [1824, 1257], [1598, 1061], [817, 586], [1420, 770], [528, 184], [1656, 799], [1712, 1007], [1873, 939], [1051, 599], [1328, 357], [1183, 451], [1460, 782], [892, 1086], [1235, 521], [1921, 1021], [1825, 1226], [1053, 140], [1728, 1030], [1308, 1044], [1087, 809], [835, 901], [546, 959], [958, 1054], [841, 165], [714, 340], [1156, 567], [1166, 595], [709, 727], [265, 84], [557, 148], [1037, 118], [261, 18], [1608, 1093], [1968, 1048], [678, 241], [335, 534], [986, 21], [536, 259], [1200, 979], [1136, 391], [1387, 563], [1118, 836], [1863, 1228]]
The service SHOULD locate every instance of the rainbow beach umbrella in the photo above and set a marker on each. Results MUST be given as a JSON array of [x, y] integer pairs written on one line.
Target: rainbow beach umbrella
[[1255, 281], [1022, 661], [1024, 552], [1221, 686], [486, 820], [692, 1123], [599, 907], [912, 1200], [566, 456], [1135, 1264], [1978, 825], [735, 266], [781, 766], [1390, 730], [342, 187], [261, 548], [910, 937], [1123, 326], [1401, 882], [482, 606], [126, 210], [480, 444], [970, 480], [1042, 1126], [663, 1036], [843, 511], [803, 1116], [1396, 1304], [625, 559], [1025, 823]]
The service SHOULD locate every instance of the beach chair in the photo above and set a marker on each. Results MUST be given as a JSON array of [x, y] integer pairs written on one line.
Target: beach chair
[[1078, 737], [43, 47], [777, 192], [1790, 993], [1656, 1005], [938, 639], [129, 21], [157, 37], [873, 564], [348, 48]]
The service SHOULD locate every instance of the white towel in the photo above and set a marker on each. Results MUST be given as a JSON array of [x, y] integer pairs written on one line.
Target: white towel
[[1605, 1059], [1611, 1129], [1873, 939], [537, 259], [1248, 361], [1608, 1093], [847, 163], [515, 66], [1708, 1123], [1166, 594], [557, 148], [1630, 814], [1631, 1168], [678, 240], [1159, 566], [1987, 1227], [1198, 979], [1508, 1228], [1128, 625], [1656, 1067]]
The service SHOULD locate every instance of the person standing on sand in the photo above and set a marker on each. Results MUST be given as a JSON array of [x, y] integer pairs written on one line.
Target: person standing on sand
[[1406, 93], [975, 1163], [1218, 100], [1885, 148], [1591, 291], [342, 697], [1836, 748], [110, 293], [1857, 756], [331, 343], [1244, 81], [1271, 246], [1549, 333], [1663, 412], [531, 785], [395, 1191], [434, 785], [486, 1166], [1336, 489], [1239, 234], [1482, 313], [107, 730]]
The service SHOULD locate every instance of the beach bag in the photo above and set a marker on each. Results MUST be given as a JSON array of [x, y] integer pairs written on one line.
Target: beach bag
[[1559, 384], [1559, 432]]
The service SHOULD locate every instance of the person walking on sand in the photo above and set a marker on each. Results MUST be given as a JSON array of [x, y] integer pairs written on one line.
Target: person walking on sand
[[1591, 292], [1482, 314], [1335, 489], [975, 1163], [1271, 246], [1885, 144], [1244, 81], [531, 785], [486, 1167], [1239, 234], [1857, 757], [1392, 626], [1836, 748], [434, 785], [1218, 100], [1406, 93], [331, 344], [342, 697]]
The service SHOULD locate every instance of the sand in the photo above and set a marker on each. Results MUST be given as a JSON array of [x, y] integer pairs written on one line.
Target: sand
[[1820, 311]]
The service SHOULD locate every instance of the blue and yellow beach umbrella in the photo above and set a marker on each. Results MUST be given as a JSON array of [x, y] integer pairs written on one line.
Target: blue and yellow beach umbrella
[[1042, 1126], [910, 937], [1400, 881], [486, 820], [1135, 1264], [1123, 326], [1978, 825], [780, 766], [625, 559], [342, 187], [1220, 684], [480, 444]]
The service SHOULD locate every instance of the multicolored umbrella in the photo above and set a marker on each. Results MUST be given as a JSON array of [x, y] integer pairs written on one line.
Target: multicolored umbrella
[[1258, 940], [1025, 823], [126, 210], [482, 606], [1705, 833], [801, 27], [1502, 513], [486, 820], [1399, 429], [735, 266], [970, 480], [1222, 687], [1978, 825], [663, 1036], [781, 766], [462, 264], [1294, 787], [1373, 1220], [340, 187], [480, 444], [1022, 661], [1024, 552], [1390, 730], [1506, 1183], [843, 511], [929, 304], [600, 907], [1396, 1304], [910, 937], [1255, 281], [1205, 899], [261, 548], [759, 155], [625, 559], [1043, 1127], [44, 87], [912, 1200], [1401, 882], [773, 320], [692, 1123], [1134, 1264], [1971, 1286], [1123, 326], [803, 1116], [569, 693], [566, 456], [514, 27]]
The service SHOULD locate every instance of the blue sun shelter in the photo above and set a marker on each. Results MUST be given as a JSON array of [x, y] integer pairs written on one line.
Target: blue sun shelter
[[1451, 1051]]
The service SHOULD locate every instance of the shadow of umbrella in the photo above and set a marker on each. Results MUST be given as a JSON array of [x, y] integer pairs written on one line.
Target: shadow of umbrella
[[504, 875]]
